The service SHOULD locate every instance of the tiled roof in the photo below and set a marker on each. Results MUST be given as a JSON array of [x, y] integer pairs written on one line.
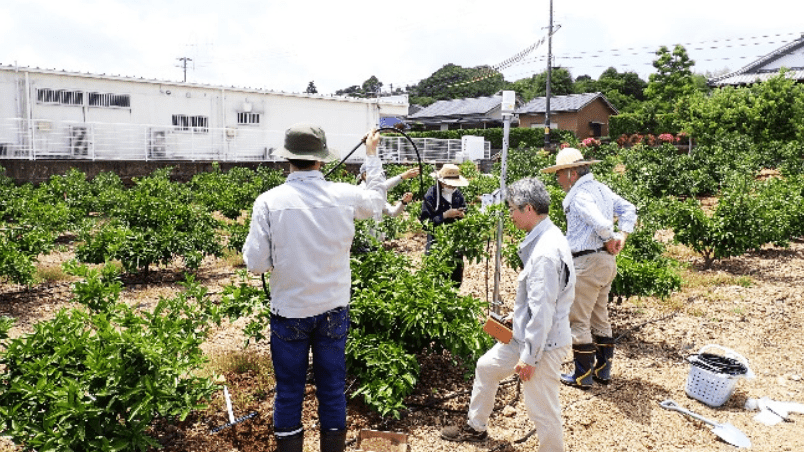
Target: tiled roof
[[572, 102], [459, 107], [753, 72], [747, 79]]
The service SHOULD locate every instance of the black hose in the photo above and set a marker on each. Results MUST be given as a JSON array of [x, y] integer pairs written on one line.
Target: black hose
[[265, 289], [363, 141], [390, 129]]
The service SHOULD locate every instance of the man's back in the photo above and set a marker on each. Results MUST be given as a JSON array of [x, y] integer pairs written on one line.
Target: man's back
[[308, 226]]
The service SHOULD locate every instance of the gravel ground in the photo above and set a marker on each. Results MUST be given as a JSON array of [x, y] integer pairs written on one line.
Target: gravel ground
[[751, 304]]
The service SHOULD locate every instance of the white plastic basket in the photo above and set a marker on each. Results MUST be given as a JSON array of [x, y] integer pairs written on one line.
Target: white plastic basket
[[714, 388]]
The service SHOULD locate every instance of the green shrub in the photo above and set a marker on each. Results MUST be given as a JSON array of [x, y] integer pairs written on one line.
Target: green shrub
[[96, 379], [398, 313], [234, 191], [736, 225], [644, 123], [642, 270], [153, 224], [764, 112]]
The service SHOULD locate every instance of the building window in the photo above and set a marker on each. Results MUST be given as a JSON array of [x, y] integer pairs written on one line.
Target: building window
[[59, 96], [109, 100], [193, 123], [248, 118], [199, 123]]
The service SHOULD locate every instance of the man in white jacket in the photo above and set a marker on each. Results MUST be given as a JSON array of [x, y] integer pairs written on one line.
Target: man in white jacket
[[541, 331], [301, 232]]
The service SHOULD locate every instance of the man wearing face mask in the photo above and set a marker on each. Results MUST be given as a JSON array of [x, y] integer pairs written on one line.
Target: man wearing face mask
[[444, 204]]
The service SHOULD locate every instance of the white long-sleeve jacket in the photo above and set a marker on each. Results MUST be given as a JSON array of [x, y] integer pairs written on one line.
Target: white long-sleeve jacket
[[544, 293], [302, 231], [392, 210]]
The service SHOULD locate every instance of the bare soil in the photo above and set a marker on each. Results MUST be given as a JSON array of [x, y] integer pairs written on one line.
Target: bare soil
[[752, 304]]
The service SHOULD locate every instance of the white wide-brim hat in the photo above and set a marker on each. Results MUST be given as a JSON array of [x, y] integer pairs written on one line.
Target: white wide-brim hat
[[450, 174], [568, 158]]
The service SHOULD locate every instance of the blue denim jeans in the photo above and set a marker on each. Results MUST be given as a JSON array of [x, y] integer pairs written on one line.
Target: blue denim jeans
[[291, 341]]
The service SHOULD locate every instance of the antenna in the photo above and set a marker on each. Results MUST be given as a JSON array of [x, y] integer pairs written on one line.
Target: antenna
[[184, 61]]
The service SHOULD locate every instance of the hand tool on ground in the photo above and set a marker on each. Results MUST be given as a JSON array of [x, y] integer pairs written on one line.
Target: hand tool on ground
[[232, 420], [726, 432]]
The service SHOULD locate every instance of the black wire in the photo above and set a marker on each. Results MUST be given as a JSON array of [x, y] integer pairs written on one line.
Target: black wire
[[363, 141], [391, 129], [718, 364], [418, 157], [265, 288]]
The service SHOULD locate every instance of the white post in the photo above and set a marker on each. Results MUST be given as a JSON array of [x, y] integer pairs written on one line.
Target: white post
[[228, 404]]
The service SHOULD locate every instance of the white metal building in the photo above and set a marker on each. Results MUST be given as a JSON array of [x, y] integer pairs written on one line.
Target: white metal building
[[51, 114]]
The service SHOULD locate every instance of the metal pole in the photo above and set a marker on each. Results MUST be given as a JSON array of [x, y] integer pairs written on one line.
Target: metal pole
[[496, 302], [549, 73], [29, 105], [19, 93], [224, 127]]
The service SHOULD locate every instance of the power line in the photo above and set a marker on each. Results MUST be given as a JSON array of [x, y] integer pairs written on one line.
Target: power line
[[701, 46], [707, 45], [708, 42], [496, 70], [651, 50]]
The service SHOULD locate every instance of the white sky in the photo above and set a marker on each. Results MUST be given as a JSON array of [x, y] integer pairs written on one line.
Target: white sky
[[283, 45]]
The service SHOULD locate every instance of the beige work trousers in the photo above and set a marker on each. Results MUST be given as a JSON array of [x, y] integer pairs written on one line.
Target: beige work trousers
[[589, 313], [541, 391]]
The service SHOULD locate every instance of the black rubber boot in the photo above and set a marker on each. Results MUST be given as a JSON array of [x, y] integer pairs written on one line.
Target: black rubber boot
[[603, 356], [333, 440], [584, 357], [292, 443]]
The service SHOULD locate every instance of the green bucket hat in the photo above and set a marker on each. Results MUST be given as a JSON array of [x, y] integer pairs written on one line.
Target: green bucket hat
[[306, 142]]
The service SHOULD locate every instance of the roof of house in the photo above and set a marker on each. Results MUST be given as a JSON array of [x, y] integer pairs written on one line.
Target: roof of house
[[413, 108], [476, 106], [791, 56], [395, 100], [568, 103]]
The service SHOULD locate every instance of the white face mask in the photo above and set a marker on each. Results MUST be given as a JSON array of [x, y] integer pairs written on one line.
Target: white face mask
[[447, 192]]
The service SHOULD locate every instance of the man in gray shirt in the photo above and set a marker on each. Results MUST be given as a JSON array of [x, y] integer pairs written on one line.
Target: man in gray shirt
[[541, 330]]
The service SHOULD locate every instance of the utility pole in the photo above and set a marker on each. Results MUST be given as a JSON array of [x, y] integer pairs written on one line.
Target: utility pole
[[549, 73], [184, 61]]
